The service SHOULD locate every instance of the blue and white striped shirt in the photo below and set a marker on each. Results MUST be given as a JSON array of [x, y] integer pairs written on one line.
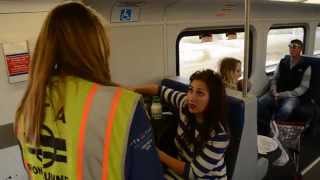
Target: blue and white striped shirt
[[209, 163]]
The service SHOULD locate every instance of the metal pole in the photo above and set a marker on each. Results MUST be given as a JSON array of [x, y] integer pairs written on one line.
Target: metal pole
[[246, 48]]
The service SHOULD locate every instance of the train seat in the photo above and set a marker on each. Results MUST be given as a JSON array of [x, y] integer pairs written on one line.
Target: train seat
[[309, 110], [306, 115]]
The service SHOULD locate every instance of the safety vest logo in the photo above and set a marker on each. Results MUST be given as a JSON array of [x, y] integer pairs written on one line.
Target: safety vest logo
[[52, 148]]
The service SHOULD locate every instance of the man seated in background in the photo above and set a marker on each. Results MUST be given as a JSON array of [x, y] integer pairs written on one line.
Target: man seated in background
[[289, 83]]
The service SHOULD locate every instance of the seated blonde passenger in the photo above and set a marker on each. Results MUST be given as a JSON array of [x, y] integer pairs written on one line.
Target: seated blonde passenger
[[230, 71]]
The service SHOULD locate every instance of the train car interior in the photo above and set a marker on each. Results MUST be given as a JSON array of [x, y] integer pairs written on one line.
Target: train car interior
[[164, 42]]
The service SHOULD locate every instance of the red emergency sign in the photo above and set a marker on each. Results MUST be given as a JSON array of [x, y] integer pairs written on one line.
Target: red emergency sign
[[18, 64]]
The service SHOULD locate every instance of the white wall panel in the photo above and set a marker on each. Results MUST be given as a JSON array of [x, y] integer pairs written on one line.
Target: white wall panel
[[15, 28], [137, 54]]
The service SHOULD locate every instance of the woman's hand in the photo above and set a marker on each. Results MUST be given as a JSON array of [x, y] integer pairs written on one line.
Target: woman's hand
[[174, 164], [162, 155]]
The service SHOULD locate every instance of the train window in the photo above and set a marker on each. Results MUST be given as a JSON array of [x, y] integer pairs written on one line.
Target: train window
[[317, 42], [277, 44], [197, 50]]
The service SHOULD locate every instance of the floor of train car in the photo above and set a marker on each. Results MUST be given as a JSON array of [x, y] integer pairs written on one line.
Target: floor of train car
[[309, 154]]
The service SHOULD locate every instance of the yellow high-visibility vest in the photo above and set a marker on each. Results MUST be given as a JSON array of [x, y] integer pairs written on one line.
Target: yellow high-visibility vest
[[84, 135]]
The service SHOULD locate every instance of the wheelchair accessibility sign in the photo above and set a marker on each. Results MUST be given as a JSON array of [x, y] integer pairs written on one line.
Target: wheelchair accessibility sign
[[125, 14]]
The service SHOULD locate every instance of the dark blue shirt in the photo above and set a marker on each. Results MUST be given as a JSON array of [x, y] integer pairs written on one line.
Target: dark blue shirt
[[142, 159]]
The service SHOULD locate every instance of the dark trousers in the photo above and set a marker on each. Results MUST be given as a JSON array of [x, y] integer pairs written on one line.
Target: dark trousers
[[268, 108]]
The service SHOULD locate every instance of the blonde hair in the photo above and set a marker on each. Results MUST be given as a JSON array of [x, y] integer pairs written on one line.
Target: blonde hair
[[227, 69], [72, 42]]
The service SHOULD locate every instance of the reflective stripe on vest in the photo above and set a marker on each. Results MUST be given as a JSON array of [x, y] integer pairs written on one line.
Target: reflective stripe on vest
[[104, 133], [82, 130]]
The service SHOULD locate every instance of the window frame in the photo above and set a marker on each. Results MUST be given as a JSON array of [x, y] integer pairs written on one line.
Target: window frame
[[287, 26], [214, 30], [315, 37]]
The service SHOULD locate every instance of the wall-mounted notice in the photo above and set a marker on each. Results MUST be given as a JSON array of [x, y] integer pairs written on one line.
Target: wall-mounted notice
[[17, 57], [125, 14]]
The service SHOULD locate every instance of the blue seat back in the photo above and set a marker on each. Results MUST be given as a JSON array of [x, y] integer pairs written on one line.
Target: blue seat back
[[311, 111], [314, 88]]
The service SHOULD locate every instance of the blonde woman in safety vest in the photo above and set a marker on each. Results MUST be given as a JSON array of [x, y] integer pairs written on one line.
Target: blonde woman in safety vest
[[73, 123]]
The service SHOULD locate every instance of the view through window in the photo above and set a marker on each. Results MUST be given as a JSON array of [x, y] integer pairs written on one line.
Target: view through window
[[277, 44], [206, 50], [317, 43]]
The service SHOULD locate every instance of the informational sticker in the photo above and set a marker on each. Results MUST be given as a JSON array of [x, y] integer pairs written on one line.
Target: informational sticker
[[125, 14], [17, 58], [226, 9]]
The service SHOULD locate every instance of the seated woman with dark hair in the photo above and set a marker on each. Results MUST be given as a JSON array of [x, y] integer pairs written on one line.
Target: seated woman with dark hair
[[202, 133]]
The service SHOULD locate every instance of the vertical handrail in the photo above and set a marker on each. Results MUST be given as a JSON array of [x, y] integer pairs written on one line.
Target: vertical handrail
[[246, 48]]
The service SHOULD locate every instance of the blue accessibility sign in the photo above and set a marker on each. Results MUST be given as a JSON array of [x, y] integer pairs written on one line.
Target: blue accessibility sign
[[126, 14]]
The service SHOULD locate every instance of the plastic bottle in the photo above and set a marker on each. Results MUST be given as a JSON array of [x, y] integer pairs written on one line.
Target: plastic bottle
[[156, 108]]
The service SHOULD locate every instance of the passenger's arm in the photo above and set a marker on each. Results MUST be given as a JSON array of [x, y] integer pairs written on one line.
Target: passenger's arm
[[273, 81], [167, 95], [142, 160], [175, 99], [210, 159], [148, 89], [301, 89], [173, 163]]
